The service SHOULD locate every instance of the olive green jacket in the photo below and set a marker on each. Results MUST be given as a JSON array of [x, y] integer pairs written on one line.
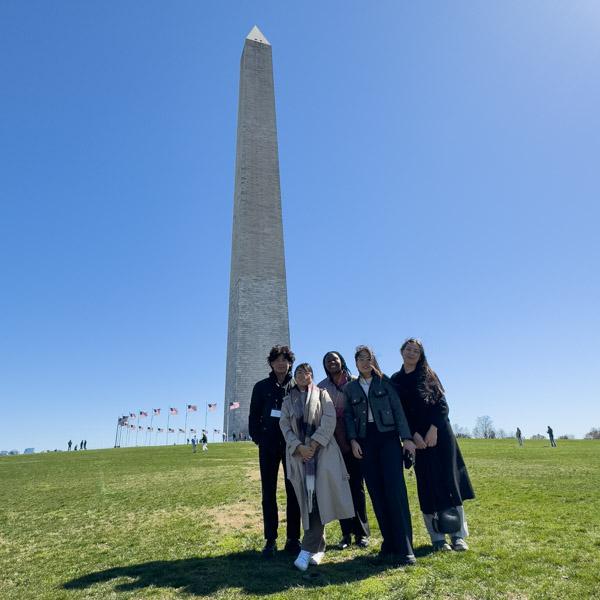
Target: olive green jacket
[[385, 406]]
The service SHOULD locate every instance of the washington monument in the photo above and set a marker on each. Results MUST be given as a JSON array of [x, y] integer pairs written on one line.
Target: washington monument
[[258, 307]]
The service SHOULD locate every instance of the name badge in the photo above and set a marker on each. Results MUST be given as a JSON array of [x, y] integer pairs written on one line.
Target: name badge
[[276, 413]]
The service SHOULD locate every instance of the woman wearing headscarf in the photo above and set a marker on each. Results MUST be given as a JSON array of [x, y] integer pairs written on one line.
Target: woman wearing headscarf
[[442, 479], [378, 430], [315, 466]]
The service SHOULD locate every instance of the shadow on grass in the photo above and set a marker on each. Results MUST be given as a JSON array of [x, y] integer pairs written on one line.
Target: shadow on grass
[[243, 570]]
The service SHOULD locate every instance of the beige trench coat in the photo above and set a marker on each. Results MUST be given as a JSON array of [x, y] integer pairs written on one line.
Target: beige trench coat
[[331, 482]]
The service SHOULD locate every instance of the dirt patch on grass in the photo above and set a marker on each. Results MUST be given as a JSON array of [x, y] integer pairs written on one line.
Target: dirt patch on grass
[[253, 474], [239, 515]]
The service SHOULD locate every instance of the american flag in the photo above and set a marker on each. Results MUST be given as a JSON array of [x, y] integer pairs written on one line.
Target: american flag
[[150, 429], [217, 430], [212, 407], [160, 429], [132, 415], [234, 405], [132, 426], [173, 411], [156, 411], [192, 407], [181, 430], [171, 430], [192, 431], [122, 421], [140, 427], [143, 413]]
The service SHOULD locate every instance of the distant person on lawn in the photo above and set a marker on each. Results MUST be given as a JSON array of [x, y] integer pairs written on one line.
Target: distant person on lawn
[[69, 444], [551, 436], [338, 375], [204, 442], [263, 427], [442, 478], [519, 437], [315, 465]]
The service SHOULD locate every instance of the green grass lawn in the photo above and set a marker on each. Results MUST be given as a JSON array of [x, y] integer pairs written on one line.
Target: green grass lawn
[[165, 523]]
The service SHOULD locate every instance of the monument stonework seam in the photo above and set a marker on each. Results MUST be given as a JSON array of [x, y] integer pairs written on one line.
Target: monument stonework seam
[[258, 307]]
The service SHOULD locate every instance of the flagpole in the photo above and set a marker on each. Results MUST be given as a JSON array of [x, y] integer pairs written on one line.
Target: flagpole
[[185, 426], [137, 428], [206, 416], [156, 438], [168, 417], [151, 421], [127, 437], [117, 432], [228, 409]]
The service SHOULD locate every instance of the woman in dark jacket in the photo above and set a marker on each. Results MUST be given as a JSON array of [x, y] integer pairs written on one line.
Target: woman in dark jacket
[[375, 424], [442, 478]]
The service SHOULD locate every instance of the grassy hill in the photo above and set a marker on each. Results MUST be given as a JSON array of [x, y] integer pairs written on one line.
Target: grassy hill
[[165, 523]]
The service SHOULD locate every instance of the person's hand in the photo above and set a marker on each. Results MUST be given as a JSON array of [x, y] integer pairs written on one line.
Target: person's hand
[[356, 449], [410, 446], [306, 452], [419, 441], [431, 437]]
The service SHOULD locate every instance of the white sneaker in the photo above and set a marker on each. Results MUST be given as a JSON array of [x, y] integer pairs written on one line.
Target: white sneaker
[[303, 559], [316, 558]]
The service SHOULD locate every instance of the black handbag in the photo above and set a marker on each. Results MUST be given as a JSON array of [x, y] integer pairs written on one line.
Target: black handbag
[[407, 459], [446, 521]]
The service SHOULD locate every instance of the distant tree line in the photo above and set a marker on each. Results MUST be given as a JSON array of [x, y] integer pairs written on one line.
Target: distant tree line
[[593, 434], [484, 429]]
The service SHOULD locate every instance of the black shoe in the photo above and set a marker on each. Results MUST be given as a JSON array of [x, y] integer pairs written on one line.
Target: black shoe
[[292, 546], [345, 542], [362, 541], [269, 550], [383, 557], [404, 561]]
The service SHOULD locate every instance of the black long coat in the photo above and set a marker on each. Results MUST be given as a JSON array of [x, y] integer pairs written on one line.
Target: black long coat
[[442, 478]]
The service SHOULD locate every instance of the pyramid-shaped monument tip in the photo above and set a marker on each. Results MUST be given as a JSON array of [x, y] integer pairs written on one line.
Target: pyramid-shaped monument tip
[[256, 35]]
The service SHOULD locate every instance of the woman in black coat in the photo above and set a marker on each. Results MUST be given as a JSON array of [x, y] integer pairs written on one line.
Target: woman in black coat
[[442, 478]]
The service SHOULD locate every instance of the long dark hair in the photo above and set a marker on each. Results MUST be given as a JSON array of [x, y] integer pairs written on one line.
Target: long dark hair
[[345, 368], [427, 377], [374, 364]]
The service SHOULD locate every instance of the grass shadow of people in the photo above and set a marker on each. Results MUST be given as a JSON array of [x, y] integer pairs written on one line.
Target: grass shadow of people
[[247, 571]]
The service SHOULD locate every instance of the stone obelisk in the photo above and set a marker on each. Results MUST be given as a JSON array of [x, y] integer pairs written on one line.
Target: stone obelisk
[[258, 308]]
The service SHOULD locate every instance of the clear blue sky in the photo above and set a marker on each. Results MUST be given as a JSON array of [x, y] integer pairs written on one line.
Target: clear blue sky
[[440, 178]]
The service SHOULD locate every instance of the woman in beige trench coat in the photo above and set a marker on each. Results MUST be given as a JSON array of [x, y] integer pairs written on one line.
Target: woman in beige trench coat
[[315, 466]]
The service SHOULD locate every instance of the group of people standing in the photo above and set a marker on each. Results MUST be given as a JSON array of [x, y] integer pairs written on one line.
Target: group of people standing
[[337, 435], [82, 445]]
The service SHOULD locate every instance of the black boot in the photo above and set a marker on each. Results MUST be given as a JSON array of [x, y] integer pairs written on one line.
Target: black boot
[[269, 550]]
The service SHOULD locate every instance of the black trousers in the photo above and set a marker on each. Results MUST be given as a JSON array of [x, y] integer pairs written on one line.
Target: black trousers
[[357, 525], [383, 471], [269, 458]]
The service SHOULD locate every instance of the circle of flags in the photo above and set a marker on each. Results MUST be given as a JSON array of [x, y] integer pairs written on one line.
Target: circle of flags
[[129, 423]]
